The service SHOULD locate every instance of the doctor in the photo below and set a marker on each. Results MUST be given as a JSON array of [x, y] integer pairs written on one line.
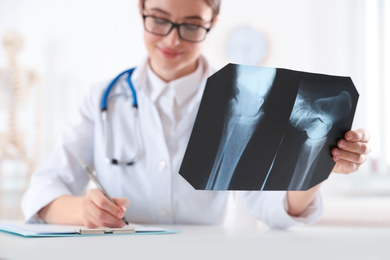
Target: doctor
[[169, 84]]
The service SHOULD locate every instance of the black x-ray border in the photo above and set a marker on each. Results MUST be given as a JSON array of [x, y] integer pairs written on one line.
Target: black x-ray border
[[270, 156]]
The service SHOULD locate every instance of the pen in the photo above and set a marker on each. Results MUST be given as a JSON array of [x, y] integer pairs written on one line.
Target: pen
[[93, 178]]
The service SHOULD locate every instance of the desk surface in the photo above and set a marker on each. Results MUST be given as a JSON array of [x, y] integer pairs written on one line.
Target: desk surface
[[210, 242]]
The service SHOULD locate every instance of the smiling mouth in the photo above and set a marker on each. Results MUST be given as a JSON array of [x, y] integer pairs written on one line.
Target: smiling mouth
[[168, 53]]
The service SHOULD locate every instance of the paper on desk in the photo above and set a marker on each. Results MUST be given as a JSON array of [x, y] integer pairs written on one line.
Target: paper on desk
[[261, 128], [48, 230]]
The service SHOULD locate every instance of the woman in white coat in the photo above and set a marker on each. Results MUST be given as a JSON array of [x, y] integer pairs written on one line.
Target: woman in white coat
[[169, 85]]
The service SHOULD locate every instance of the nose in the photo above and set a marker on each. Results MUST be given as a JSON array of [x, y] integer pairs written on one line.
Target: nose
[[173, 37]]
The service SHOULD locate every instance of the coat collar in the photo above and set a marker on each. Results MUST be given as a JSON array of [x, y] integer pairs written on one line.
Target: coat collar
[[183, 88]]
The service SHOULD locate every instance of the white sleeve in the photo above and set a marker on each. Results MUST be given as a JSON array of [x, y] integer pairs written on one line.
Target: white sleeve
[[62, 174], [271, 208]]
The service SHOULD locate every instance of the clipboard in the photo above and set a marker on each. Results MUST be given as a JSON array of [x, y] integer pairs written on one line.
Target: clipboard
[[103, 231], [49, 230]]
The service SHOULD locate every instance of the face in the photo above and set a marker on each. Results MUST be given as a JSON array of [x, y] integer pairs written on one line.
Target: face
[[171, 57]]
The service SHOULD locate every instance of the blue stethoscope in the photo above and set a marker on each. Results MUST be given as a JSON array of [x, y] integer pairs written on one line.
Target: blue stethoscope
[[107, 131]]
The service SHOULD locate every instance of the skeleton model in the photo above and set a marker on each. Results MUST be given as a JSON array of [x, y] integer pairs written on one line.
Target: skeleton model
[[16, 86]]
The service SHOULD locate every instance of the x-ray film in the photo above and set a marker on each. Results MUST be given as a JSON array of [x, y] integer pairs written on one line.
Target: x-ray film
[[262, 128]]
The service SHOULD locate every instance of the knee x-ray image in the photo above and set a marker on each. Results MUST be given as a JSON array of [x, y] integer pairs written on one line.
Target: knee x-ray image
[[262, 128]]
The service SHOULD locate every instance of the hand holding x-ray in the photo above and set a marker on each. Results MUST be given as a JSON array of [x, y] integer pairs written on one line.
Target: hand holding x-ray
[[351, 151]]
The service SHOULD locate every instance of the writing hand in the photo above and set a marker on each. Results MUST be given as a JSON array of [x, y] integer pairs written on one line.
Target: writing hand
[[99, 211]]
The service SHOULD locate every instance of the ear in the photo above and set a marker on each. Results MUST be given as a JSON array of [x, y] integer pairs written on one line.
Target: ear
[[215, 20], [140, 5]]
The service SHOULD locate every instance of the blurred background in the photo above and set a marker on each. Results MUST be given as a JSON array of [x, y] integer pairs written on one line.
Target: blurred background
[[53, 50]]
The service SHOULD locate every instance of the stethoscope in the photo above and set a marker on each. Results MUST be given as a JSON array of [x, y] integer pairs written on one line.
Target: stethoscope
[[107, 131]]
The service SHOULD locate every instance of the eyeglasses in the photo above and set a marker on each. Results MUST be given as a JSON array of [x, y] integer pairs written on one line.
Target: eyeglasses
[[187, 31]]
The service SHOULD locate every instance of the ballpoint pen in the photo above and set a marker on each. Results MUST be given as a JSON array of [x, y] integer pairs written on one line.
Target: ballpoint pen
[[95, 180]]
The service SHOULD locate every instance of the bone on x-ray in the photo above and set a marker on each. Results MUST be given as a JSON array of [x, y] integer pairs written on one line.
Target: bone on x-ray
[[262, 128]]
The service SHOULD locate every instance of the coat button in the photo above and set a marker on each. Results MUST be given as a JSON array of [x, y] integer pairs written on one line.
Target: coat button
[[162, 166]]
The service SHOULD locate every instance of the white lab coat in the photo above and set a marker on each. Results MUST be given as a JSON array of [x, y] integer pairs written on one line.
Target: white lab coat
[[157, 193]]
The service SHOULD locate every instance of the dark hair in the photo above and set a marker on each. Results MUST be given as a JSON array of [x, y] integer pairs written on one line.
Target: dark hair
[[214, 4]]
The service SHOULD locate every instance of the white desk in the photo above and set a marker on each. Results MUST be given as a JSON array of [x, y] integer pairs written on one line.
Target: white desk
[[209, 242]]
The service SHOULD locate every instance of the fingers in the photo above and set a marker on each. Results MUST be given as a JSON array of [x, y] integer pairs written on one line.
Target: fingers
[[353, 157], [354, 147], [345, 166], [123, 203], [359, 135], [347, 162], [346, 148], [352, 151], [100, 211], [96, 217], [350, 155], [104, 204]]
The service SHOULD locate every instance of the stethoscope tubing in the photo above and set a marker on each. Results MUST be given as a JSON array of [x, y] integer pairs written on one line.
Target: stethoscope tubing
[[103, 104], [107, 131]]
